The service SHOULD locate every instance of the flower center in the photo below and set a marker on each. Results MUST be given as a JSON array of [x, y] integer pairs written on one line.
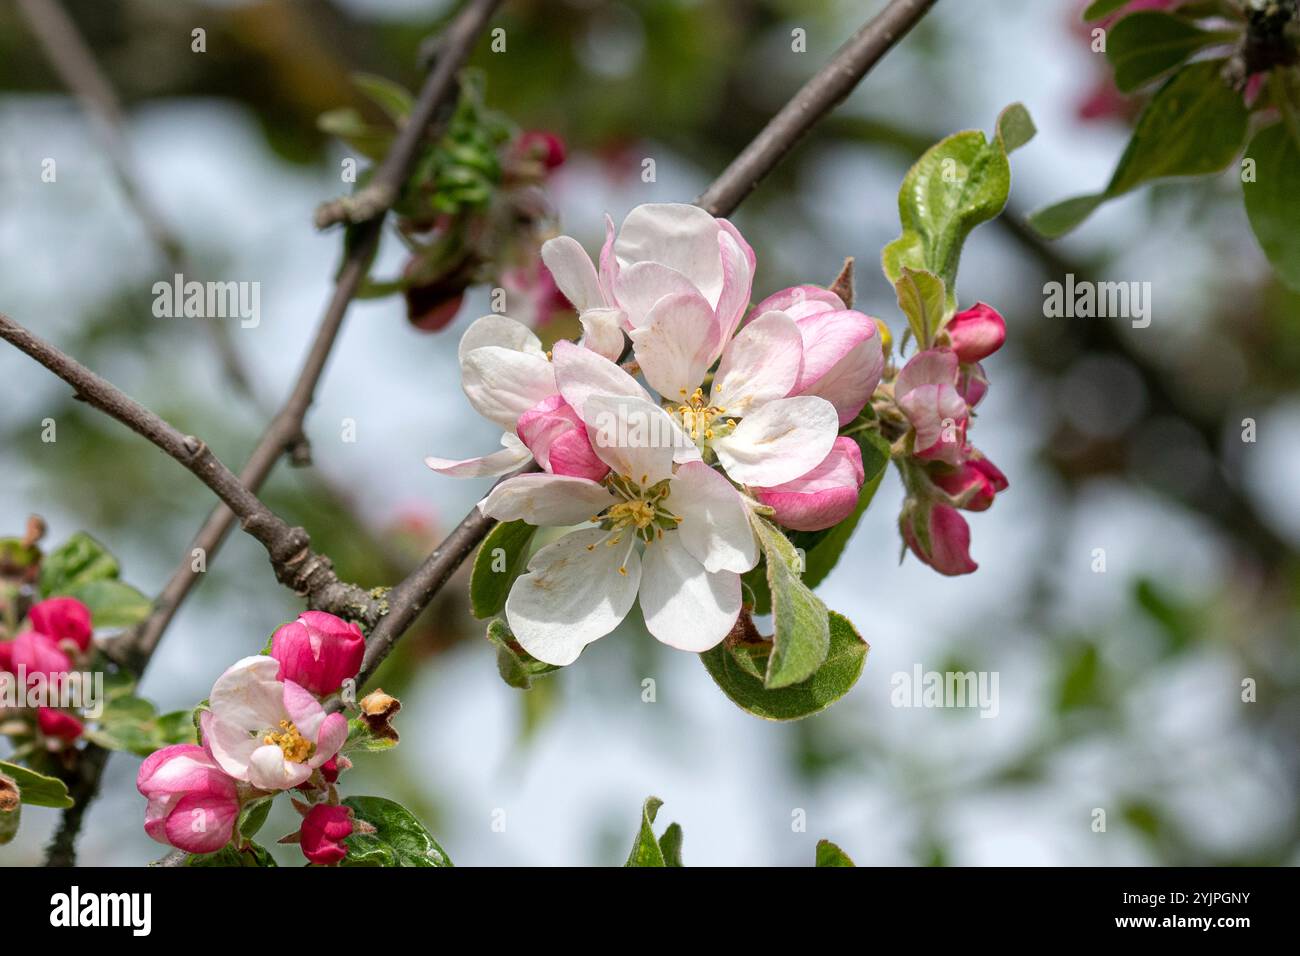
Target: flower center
[[296, 747], [700, 419], [641, 514]]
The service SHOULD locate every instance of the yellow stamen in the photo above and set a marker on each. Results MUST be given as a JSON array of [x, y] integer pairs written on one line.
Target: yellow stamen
[[296, 747]]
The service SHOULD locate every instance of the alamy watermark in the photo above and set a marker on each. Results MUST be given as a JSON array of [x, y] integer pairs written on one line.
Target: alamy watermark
[[76, 690], [208, 300], [918, 688], [1098, 300]]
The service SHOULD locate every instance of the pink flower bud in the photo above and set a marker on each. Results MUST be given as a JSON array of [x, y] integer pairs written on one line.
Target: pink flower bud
[[6, 657], [323, 831], [57, 723], [38, 654], [824, 496], [318, 651], [558, 440], [978, 480], [976, 333], [193, 804], [62, 619], [972, 384], [331, 768], [926, 391], [949, 540], [541, 145]]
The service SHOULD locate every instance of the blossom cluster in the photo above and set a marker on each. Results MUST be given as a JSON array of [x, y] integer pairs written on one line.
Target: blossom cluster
[[264, 730], [739, 416], [43, 661]]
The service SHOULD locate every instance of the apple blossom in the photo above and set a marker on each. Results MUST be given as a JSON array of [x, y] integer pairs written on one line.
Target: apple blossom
[[662, 249], [974, 484], [843, 354], [318, 651], [507, 377], [59, 724], [824, 496], [976, 333], [62, 619], [38, 654], [324, 829], [943, 542], [926, 391], [677, 537], [193, 804], [267, 732]]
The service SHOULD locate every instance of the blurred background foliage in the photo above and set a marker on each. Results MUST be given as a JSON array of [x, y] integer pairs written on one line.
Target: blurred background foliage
[[1119, 690]]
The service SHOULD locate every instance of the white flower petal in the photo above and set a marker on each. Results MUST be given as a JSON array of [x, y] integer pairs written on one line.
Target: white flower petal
[[502, 384], [760, 365], [231, 746], [581, 373], [573, 272], [779, 442], [602, 332], [573, 594], [501, 331], [640, 286], [678, 235], [551, 501], [634, 436], [268, 770], [675, 346], [738, 278], [685, 606], [715, 525], [512, 456], [248, 695]]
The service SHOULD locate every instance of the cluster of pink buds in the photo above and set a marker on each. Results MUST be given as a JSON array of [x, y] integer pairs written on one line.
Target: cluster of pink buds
[[933, 398], [42, 659], [264, 731]]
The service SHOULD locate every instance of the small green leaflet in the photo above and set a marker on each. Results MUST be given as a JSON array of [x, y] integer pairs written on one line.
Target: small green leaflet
[[516, 666], [738, 666], [649, 850], [501, 558], [1273, 198], [802, 634], [923, 299], [399, 838], [828, 854], [1148, 44], [252, 855], [37, 789]]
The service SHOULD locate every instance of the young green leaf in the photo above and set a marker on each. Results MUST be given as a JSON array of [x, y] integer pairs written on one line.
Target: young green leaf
[[1273, 199], [516, 666], [737, 666], [80, 560], [1194, 125], [393, 98], [828, 854], [501, 558], [1100, 8], [37, 789], [253, 815], [399, 838], [649, 850], [1015, 127], [252, 855], [802, 635], [112, 603], [1147, 44], [922, 298]]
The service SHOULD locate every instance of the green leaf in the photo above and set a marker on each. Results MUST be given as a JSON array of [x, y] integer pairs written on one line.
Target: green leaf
[[737, 667], [176, 727], [252, 855], [1147, 44], [78, 561], [501, 558], [1194, 125], [133, 724], [828, 854], [647, 849], [253, 815], [957, 184], [1273, 199], [36, 788], [516, 666], [802, 635], [393, 98], [922, 298], [1100, 8], [346, 123], [822, 549], [1015, 127], [400, 839], [112, 603], [671, 845]]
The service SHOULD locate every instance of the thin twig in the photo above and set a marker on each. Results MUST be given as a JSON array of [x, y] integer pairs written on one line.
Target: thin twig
[[821, 94], [828, 87]]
